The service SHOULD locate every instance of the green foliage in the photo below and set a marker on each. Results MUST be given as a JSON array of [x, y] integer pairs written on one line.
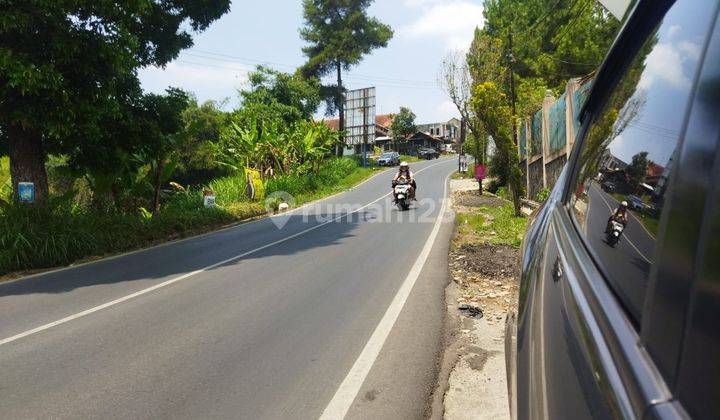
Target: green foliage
[[271, 147], [68, 73], [403, 124], [338, 34], [637, 170], [5, 185], [64, 232], [493, 111], [502, 192], [543, 195], [331, 173], [277, 95], [498, 225], [197, 163], [552, 40]]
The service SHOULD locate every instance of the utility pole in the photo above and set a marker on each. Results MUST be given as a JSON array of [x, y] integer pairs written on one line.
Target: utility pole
[[463, 133], [341, 108], [365, 128], [511, 61]]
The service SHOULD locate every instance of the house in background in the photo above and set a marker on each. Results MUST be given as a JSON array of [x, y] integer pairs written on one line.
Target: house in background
[[381, 136], [448, 132], [440, 136]]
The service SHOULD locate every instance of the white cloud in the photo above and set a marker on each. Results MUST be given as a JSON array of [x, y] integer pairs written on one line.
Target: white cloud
[[215, 81], [444, 112], [452, 21], [665, 63]]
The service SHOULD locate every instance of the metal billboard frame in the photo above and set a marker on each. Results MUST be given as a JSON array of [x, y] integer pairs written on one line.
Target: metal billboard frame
[[360, 105]]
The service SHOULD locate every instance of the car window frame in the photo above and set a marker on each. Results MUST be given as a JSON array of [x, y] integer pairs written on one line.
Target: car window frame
[[636, 31], [618, 61]]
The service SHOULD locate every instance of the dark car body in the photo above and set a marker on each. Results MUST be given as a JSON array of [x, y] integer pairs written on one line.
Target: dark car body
[[428, 154], [636, 203], [631, 331], [608, 186], [389, 159]]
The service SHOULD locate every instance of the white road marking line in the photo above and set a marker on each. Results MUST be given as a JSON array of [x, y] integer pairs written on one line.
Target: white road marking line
[[626, 237], [183, 277], [351, 385], [234, 225]]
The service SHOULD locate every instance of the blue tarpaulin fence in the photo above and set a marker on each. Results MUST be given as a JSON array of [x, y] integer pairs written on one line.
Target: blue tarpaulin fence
[[579, 98], [558, 139], [536, 141], [523, 138]]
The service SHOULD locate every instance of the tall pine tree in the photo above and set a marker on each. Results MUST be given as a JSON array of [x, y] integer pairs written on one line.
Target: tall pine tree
[[338, 34]]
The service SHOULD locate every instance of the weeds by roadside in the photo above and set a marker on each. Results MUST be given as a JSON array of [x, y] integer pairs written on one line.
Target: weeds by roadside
[[495, 225], [65, 233]]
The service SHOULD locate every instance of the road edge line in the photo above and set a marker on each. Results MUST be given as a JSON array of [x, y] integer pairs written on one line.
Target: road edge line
[[186, 275], [343, 398]]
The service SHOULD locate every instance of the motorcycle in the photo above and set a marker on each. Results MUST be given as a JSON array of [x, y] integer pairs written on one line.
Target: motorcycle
[[613, 235], [401, 193]]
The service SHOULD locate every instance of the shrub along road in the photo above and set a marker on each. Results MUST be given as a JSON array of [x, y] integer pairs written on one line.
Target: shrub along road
[[326, 315]]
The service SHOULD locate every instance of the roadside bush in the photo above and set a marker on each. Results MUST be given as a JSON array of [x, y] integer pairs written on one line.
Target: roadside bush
[[332, 171], [229, 189], [62, 233], [503, 192], [493, 186], [542, 195]]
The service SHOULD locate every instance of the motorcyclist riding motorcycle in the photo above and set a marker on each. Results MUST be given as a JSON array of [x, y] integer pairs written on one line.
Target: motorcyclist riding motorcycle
[[619, 215], [404, 171]]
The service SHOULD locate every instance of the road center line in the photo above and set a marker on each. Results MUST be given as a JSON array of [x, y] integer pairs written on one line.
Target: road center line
[[350, 386], [627, 238], [187, 275]]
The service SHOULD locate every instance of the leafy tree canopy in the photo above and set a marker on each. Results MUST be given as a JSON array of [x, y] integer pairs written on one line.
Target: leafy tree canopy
[[552, 40], [340, 31], [68, 72], [287, 96], [403, 124], [338, 34]]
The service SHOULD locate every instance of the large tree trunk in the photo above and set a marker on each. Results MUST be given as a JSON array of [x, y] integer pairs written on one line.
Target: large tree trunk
[[341, 109], [27, 162]]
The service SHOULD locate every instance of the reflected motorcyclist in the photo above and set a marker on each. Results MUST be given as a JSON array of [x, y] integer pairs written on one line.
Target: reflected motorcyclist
[[620, 215], [404, 171]]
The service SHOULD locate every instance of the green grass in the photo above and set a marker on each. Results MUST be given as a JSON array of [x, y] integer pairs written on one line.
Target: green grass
[[496, 225], [410, 159]]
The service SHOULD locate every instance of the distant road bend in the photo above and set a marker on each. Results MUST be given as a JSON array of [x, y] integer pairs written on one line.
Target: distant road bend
[[329, 316]]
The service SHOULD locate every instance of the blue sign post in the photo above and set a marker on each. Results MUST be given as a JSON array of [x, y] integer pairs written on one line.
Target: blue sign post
[[26, 192]]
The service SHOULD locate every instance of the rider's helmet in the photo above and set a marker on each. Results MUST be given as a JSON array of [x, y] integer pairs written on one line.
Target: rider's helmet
[[624, 205], [404, 166]]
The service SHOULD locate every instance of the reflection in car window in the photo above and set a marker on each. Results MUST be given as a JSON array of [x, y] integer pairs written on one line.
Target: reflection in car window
[[630, 150]]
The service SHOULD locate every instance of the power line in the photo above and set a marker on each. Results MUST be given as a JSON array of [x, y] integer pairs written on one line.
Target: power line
[[245, 71], [539, 21], [233, 58]]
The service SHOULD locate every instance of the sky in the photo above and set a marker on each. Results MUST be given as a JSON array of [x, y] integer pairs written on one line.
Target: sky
[[266, 32]]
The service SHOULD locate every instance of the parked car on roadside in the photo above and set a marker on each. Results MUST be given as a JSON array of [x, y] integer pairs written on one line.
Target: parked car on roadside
[[630, 330], [389, 159], [636, 203], [608, 186], [428, 154]]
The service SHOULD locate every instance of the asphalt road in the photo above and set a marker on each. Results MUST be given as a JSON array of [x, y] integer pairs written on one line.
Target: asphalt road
[[631, 259], [253, 321]]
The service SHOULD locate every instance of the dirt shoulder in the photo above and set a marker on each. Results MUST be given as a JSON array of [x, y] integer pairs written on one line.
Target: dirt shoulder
[[483, 262]]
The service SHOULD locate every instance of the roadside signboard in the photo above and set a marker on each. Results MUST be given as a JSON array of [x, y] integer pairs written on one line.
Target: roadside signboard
[[360, 116], [26, 192], [209, 199]]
